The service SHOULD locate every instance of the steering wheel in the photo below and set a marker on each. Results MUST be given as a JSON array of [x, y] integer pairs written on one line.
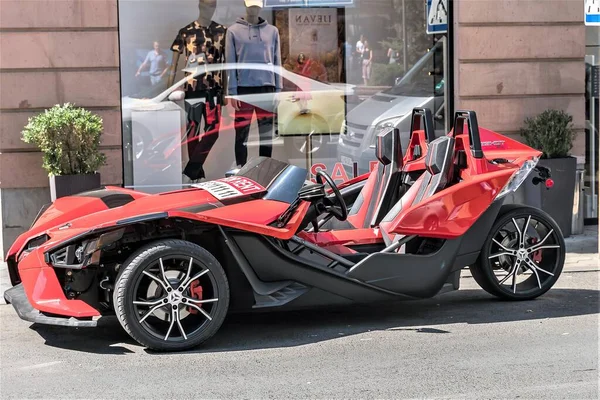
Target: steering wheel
[[337, 206]]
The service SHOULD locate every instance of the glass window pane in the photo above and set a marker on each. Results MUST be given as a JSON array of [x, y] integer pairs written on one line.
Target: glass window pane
[[210, 84]]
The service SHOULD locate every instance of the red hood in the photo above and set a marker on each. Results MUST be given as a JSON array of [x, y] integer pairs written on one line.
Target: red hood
[[101, 209], [71, 216]]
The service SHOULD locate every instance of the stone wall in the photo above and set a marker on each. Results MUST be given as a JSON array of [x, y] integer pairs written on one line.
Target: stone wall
[[516, 58], [52, 51]]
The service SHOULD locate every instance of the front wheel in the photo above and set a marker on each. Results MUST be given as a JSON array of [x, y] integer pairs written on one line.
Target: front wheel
[[522, 256], [171, 295]]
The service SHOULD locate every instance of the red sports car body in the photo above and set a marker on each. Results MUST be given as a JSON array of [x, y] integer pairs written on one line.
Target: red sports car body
[[171, 266]]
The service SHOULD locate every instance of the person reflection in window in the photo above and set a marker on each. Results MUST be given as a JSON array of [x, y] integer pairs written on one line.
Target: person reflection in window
[[310, 68], [367, 57], [157, 64]]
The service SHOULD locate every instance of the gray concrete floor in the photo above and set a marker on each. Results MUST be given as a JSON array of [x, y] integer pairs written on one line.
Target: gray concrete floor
[[463, 345]]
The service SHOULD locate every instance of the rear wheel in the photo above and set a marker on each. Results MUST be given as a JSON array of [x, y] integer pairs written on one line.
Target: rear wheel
[[171, 295], [522, 256]]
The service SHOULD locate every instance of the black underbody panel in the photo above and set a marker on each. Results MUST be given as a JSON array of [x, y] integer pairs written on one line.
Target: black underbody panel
[[304, 275]]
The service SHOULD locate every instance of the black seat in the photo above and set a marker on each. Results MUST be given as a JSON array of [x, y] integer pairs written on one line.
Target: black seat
[[438, 174], [382, 187], [438, 165]]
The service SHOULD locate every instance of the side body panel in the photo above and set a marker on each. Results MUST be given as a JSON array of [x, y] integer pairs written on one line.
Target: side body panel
[[451, 212]]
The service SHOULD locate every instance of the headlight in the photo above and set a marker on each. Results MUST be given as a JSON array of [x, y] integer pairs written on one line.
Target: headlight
[[518, 177], [80, 255], [386, 123], [32, 245]]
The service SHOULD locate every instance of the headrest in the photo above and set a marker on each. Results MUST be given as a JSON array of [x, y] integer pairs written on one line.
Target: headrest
[[439, 155], [387, 146]]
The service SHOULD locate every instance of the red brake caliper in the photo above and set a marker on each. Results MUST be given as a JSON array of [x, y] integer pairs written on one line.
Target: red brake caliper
[[537, 255], [196, 291]]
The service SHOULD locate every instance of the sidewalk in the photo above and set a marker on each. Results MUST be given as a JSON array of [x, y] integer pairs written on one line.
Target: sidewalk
[[582, 256], [582, 251]]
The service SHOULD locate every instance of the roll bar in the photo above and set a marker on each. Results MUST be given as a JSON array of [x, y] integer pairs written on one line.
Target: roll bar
[[471, 118], [423, 114]]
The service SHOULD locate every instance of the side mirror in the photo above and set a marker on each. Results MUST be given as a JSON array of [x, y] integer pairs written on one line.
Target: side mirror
[[177, 95]]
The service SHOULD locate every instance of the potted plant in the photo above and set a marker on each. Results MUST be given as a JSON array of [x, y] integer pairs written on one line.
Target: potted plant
[[68, 138], [552, 132]]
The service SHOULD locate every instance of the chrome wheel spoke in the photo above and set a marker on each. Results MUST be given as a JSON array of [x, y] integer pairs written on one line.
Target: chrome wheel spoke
[[504, 253], [503, 247], [189, 270], [162, 272], [533, 265], [150, 312], [154, 277], [149, 303], [185, 284], [173, 317], [514, 280], [525, 231], [513, 271], [176, 312], [201, 311], [548, 246], [520, 238], [541, 242], [537, 276], [196, 301]]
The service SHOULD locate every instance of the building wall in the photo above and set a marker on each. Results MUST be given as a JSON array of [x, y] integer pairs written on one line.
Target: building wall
[[516, 58], [52, 51]]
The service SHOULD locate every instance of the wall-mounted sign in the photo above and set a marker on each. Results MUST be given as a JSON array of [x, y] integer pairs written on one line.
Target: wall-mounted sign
[[592, 12], [595, 81], [437, 16]]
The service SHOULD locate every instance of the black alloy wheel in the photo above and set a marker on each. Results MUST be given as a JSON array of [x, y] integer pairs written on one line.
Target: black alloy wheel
[[522, 257], [171, 295]]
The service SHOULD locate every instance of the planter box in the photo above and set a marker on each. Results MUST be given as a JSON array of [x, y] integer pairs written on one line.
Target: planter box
[[68, 185], [558, 201]]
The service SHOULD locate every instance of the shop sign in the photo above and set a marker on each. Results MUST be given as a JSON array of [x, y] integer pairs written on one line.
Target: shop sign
[[592, 12], [437, 16]]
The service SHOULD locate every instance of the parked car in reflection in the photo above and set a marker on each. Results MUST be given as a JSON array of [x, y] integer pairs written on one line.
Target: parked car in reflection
[[419, 87], [303, 107]]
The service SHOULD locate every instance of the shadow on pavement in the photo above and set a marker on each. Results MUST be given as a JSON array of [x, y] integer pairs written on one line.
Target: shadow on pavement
[[296, 328]]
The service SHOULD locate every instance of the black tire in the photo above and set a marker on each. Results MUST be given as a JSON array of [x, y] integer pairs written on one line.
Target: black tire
[[483, 270], [130, 283]]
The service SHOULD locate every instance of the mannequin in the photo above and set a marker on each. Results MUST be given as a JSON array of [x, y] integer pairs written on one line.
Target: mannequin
[[206, 10], [203, 42], [252, 40]]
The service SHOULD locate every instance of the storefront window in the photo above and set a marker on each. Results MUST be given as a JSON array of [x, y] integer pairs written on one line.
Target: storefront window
[[208, 85]]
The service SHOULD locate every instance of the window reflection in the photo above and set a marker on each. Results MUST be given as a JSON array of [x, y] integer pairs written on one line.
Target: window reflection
[[306, 85]]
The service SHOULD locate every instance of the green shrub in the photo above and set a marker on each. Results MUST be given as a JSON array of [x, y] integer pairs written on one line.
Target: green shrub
[[385, 74], [550, 132], [68, 137]]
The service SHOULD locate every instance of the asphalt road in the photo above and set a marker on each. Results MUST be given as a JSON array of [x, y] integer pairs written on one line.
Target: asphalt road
[[459, 345]]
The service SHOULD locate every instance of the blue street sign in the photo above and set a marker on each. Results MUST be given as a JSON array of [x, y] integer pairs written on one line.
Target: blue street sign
[[437, 16], [592, 12]]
